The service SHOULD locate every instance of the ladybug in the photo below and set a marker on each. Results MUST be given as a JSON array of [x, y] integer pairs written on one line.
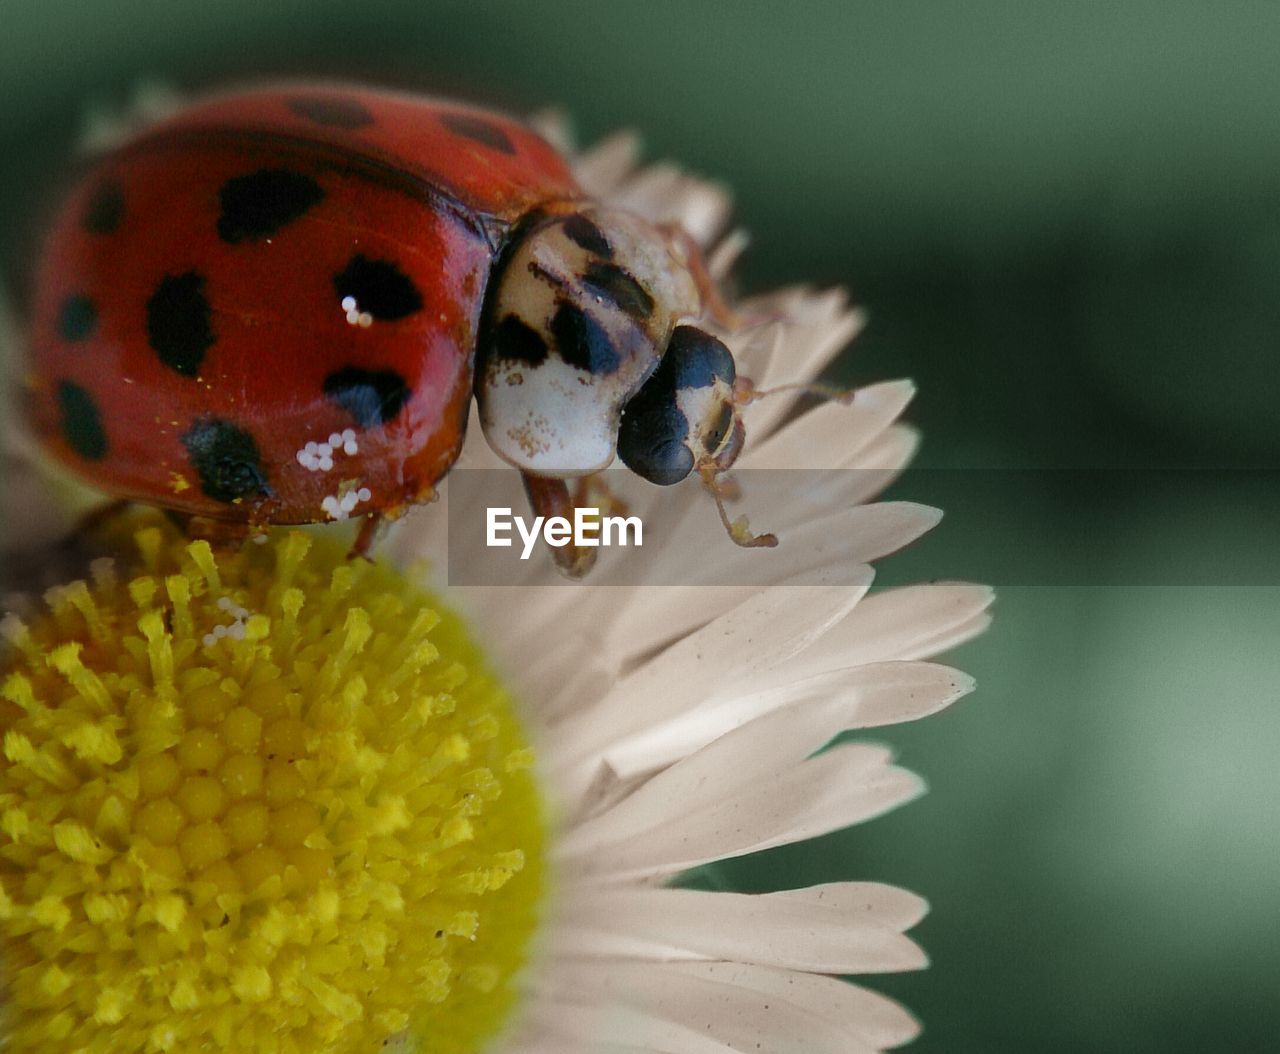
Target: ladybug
[[276, 306]]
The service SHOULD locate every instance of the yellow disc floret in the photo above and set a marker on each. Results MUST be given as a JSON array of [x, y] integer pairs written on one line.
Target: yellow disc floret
[[272, 803]]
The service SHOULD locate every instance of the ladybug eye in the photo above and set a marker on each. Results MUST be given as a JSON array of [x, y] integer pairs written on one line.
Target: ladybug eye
[[715, 436]]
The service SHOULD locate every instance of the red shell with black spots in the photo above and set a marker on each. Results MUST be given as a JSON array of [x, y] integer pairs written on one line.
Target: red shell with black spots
[[266, 308]]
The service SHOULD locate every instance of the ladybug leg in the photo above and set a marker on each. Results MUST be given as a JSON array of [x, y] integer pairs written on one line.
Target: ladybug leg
[[371, 529], [550, 497], [713, 303], [593, 492], [97, 518], [738, 530], [224, 536]]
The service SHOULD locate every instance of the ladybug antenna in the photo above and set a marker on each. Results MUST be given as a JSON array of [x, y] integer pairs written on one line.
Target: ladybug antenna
[[738, 530], [745, 392]]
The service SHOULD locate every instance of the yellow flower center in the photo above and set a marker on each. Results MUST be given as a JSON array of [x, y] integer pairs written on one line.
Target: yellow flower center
[[269, 803]]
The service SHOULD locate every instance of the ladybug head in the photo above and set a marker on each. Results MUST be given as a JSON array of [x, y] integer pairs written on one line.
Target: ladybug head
[[685, 417]]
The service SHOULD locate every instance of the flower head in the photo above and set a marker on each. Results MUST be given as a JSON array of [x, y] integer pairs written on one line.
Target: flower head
[[279, 799]]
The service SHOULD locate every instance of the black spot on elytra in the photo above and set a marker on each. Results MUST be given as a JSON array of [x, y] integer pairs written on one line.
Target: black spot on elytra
[[331, 110], [478, 130], [77, 318], [582, 341], [586, 235], [514, 339], [379, 288], [105, 210], [178, 326], [613, 283], [226, 459], [371, 397], [81, 422], [258, 205]]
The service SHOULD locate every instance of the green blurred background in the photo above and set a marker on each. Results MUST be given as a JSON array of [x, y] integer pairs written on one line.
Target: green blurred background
[[1064, 220]]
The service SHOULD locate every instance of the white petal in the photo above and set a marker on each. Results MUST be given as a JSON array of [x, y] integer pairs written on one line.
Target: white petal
[[953, 636], [641, 621], [857, 535], [842, 490], [603, 166], [654, 616], [754, 753], [756, 635], [561, 676], [556, 127], [800, 930], [888, 452], [690, 547], [637, 622], [845, 785], [816, 327], [833, 700], [662, 194], [891, 906], [831, 434], [879, 1021], [908, 623], [583, 1025], [694, 549], [721, 259], [744, 1008], [648, 618], [781, 503]]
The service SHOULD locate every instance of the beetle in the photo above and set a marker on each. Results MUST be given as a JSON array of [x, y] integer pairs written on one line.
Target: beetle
[[276, 306]]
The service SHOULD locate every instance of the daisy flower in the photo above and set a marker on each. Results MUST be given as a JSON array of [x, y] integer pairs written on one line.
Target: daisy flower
[[277, 801]]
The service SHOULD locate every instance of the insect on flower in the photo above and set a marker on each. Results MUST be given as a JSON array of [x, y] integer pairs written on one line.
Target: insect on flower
[[275, 307]]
